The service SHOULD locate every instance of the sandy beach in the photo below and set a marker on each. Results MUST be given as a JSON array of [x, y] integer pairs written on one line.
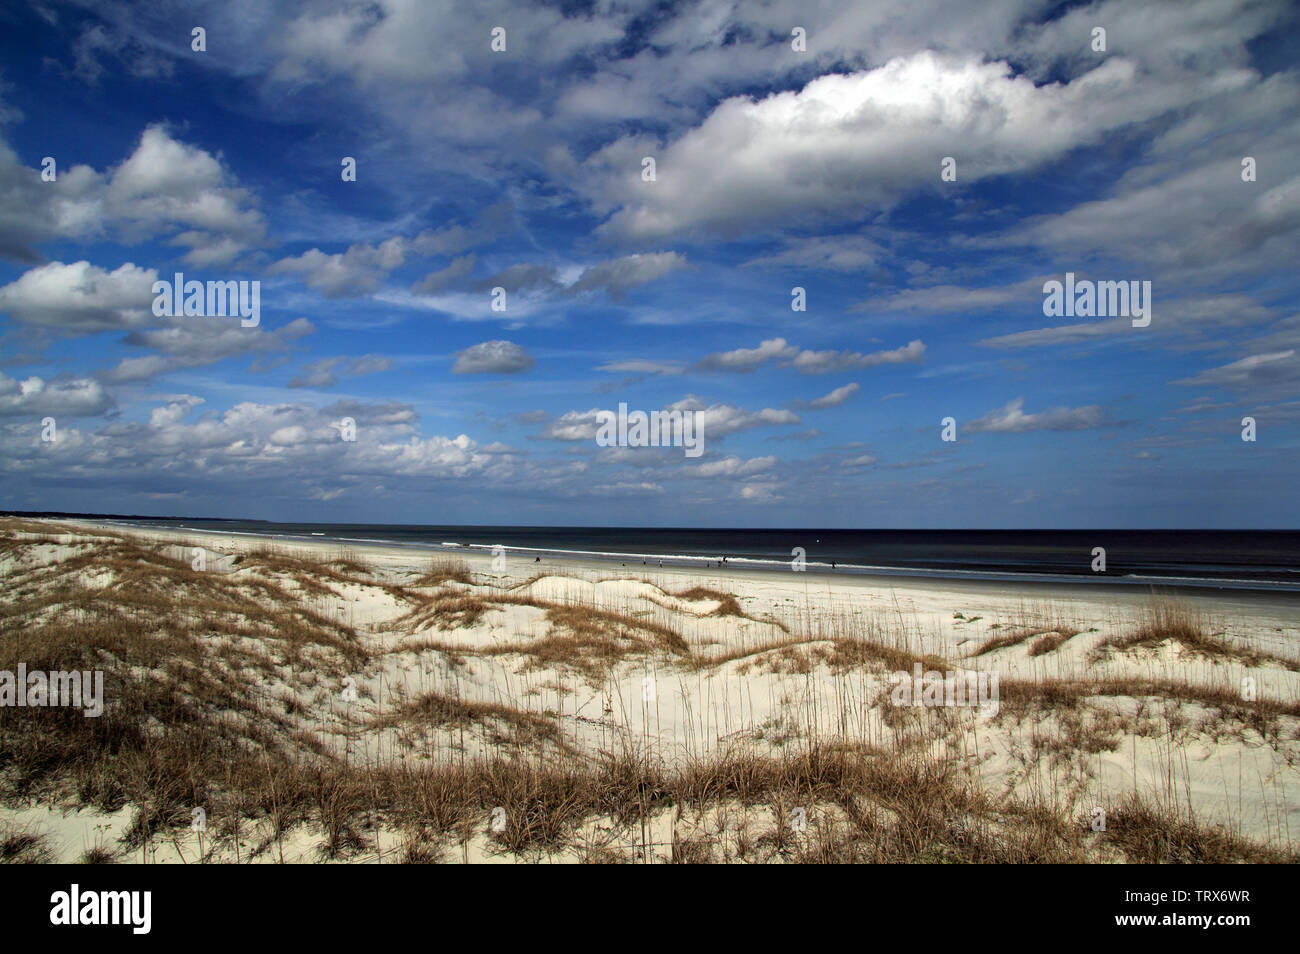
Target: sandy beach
[[1104, 723]]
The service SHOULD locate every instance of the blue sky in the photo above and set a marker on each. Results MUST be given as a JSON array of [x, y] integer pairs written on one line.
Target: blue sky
[[775, 168]]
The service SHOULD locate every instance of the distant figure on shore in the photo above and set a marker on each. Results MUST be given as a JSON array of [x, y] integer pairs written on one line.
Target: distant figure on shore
[[537, 559]]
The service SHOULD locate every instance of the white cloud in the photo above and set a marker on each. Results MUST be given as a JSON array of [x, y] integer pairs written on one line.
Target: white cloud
[[833, 253], [171, 413], [458, 270], [759, 493], [195, 342], [746, 360], [293, 444], [164, 189], [821, 362], [862, 140], [1254, 371], [1075, 333], [1011, 419], [80, 297], [718, 420], [322, 373], [837, 397], [735, 467], [493, 357], [573, 426], [358, 271], [294, 434], [1186, 316], [619, 276], [643, 366], [76, 397], [166, 185], [950, 298], [715, 420]]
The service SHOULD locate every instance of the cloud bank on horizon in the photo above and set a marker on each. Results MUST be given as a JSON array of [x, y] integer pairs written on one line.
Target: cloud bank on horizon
[[824, 229]]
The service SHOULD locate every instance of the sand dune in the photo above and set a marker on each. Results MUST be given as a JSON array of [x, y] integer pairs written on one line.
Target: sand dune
[[385, 704]]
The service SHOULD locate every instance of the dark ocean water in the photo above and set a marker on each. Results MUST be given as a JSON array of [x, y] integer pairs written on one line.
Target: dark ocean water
[[1251, 559]]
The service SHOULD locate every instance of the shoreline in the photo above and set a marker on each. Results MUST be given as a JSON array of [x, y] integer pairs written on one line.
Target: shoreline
[[1278, 605], [746, 567]]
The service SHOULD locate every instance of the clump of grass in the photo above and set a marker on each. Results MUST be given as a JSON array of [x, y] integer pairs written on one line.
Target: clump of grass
[[98, 855], [842, 654], [1022, 695], [1163, 619], [589, 622], [179, 703], [853, 653], [1054, 636], [1166, 618], [1047, 643], [419, 849], [728, 605], [592, 641], [438, 709], [457, 609], [1153, 834], [347, 560], [593, 656], [445, 570], [340, 799], [22, 846], [1012, 638]]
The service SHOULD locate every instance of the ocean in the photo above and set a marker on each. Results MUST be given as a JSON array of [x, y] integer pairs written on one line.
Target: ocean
[[1227, 559]]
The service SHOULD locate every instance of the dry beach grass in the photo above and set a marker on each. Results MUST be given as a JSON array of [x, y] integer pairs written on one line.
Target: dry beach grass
[[356, 706]]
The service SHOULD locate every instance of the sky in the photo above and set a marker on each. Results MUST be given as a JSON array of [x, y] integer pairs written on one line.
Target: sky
[[561, 208]]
